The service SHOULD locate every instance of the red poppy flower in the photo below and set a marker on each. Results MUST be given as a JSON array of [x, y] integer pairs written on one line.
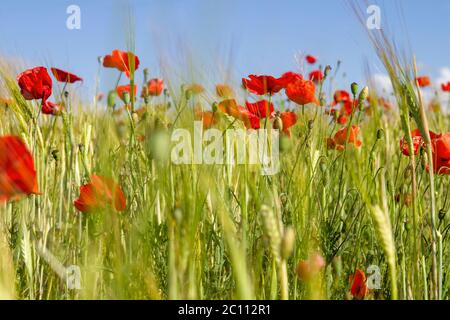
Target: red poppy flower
[[262, 85], [338, 142], [231, 108], [154, 88], [342, 119], [359, 288], [289, 77], [316, 76], [35, 84], [120, 60], [125, 88], [17, 172], [417, 142], [310, 268], [446, 87], [64, 76], [441, 153], [224, 91], [51, 108], [100, 193], [310, 59], [208, 118], [302, 91], [341, 96], [288, 119], [261, 109], [423, 81]]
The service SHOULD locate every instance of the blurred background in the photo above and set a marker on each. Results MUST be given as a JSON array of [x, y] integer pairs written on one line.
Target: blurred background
[[221, 40]]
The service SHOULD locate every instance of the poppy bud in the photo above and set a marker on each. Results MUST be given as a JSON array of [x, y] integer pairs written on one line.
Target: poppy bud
[[363, 94], [327, 71], [278, 123], [188, 94], [214, 107], [354, 87], [310, 124], [442, 213], [322, 100], [287, 243], [66, 94], [112, 95], [126, 97], [380, 134]]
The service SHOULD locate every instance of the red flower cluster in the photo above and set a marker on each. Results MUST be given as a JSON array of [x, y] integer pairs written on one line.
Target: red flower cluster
[[423, 81], [340, 138], [296, 88], [441, 149], [17, 172], [262, 85], [253, 113], [36, 84]]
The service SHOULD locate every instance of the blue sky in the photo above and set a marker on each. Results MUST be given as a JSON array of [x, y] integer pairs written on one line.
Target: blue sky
[[251, 36]]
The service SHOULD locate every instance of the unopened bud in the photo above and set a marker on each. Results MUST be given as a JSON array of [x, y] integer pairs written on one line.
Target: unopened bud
[[363, 94], [278, 123], [126, 97], [214, 107], [327, 71], [442, 213], [380, 134], [354, 87], [112, 95], [188, 94], [287, 243]]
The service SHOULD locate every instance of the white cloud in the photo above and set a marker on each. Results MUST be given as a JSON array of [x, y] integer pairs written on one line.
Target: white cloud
[[444, 76], [382, 83]]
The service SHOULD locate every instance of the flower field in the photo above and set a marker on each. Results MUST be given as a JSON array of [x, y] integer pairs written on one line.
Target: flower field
[[134, 196]]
